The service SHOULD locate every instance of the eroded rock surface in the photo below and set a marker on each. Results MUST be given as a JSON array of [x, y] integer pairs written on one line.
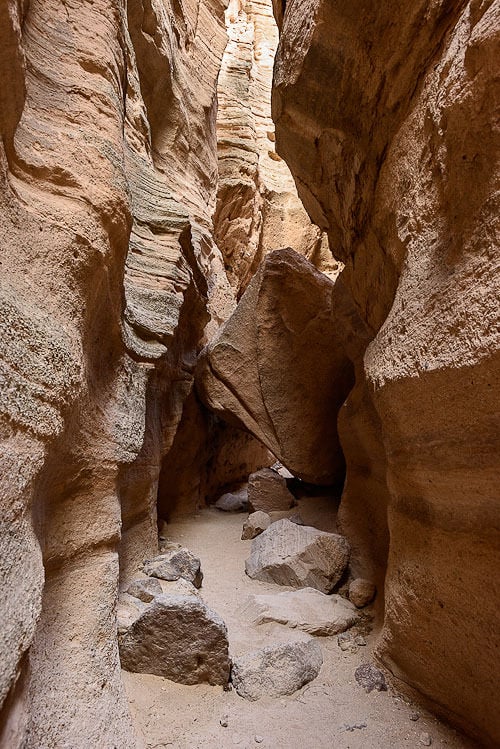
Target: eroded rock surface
[[299, 556], [276, 670], [268, 492]]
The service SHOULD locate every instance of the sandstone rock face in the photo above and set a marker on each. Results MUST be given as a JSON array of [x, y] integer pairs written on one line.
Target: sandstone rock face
[[176, 637], [306, 609], [280, 326], [299, 556], [258, 209], [276, 670], [109, 281], [388, 128], [268, 492]]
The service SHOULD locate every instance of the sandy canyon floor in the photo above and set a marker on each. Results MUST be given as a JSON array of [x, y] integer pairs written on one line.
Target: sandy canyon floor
[[331, 712]]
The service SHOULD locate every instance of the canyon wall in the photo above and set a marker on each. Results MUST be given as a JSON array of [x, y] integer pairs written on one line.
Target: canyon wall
[[110, 282], [386, 116]]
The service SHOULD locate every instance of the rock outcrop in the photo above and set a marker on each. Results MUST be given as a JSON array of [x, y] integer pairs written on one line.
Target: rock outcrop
[[385, 115], [267, 368]]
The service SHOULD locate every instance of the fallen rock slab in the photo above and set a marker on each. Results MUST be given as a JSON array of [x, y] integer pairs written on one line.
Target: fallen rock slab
[[176, 562], [268, 491], [276, 670], [298, 556], [175, 636], [306, 609], [255, 524]]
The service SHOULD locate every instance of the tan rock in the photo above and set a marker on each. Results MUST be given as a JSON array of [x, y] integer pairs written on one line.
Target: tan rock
[[361, 592], [298, 556], [268, 370], [255, 524], [268, 492]]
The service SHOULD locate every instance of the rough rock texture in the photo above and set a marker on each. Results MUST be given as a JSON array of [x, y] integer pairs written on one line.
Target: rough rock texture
[[267, 368], [255, 524], [299, 556], [306, 609], [276, 670], [388, 126], [361, 592], [109, 282], [176, 637], [176, 562], [268, 492], [258, 209], [235, 501]]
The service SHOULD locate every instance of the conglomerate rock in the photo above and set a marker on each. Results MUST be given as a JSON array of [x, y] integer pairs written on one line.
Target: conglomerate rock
[[385, 114]]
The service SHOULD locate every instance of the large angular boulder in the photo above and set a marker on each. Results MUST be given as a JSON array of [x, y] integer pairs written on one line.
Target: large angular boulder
[[278, 366], [299, 556], [175, 563], [276, 670], [268, 491], [175, 636], [306, 609]]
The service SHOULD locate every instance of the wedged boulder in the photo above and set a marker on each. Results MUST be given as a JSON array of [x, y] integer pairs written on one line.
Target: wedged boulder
[[287, 321], [268, 491], [298, 556], [176, 562], [236, 501], [175, 636], [362, 592], [306, 609], [276, 670], [255, 524]]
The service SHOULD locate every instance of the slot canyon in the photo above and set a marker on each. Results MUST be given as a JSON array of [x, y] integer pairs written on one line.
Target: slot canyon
[[249, 374]]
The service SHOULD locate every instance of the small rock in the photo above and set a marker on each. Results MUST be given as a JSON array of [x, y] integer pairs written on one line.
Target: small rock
[[224, 721], [144, 590], [360, 640], [276, 670], [370, 677], [175, 563], [236, 501], [414, 716], [268, 491], [258, 739], [306, 609], [425, 738], [361, 592], [179, 587], [255, 524], [354, 726], [298, 556], [177, 637], [344, 641]]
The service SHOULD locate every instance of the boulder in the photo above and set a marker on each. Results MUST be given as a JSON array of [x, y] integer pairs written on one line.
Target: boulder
[[175, 636], [236, 501], [255, 524], [278, 366], [268, 491], [306, 609], [276, 670], [176, 562], [298, 556], [145, 589], [361, 592]]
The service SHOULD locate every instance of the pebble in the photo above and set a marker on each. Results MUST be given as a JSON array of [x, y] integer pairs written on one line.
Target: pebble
[[224, 721], [414, 716], [354, 726], [259, 739], [425, 739], [360, 640]]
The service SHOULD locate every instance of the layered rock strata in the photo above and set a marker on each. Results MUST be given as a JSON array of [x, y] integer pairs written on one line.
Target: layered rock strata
[[389, 129]]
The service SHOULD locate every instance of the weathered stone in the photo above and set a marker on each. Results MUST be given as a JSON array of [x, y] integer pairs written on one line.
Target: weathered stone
[[306, 609], [280, 326], [299, 556], [173, 564], [370, 677], [177, 637], [255, 524], [236, 501], [361, 592], [144, 590], [268, 491], [276, 670]]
